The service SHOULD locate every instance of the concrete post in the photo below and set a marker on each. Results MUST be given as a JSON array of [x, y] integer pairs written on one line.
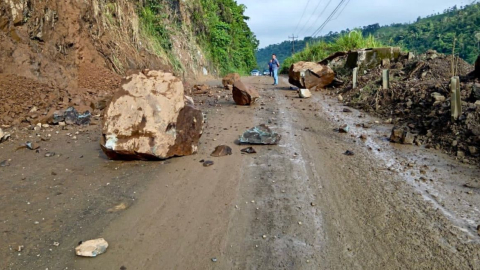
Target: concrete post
[[455, 98], [355, 76], [386, 79]]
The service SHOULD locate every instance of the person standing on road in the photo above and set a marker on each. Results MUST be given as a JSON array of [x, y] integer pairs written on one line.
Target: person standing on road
[[270, 68], [275, 66]]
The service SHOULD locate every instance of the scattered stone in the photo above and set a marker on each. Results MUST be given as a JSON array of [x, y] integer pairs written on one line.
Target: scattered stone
[[340, 98], [201, 89], [408, 138], [214, 259], [20, 248], [363, 137], [304, 93], [148, 119], [249, 150], [119, 207], [244, 94], [473, 150], [4, 163], [264, 236], [439, 98], [50, 154], [349, 153], [347, 110], [260, 135], [3, 136], [221, 150], [207, 163], [32, 145], [310, 75], [56, 244], [91, 248], [344, 129]]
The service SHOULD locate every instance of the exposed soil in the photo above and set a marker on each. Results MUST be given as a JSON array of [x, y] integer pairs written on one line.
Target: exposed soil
[[410, 102], [302, 204]]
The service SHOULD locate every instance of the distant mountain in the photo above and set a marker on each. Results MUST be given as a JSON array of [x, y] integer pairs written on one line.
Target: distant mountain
[[436, 32]]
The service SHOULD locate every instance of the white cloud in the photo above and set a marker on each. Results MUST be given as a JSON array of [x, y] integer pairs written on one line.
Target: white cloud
[[273, 21]]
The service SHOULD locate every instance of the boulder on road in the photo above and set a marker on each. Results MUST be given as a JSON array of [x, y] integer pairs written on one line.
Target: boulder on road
[[260, 135], [310, 75], [148, 119], [230, 79], [244, 94]]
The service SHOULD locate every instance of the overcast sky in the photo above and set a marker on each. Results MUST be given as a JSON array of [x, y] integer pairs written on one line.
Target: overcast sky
[[273, 21]]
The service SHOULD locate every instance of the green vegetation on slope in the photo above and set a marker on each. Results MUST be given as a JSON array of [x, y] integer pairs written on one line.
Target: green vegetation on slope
[[219, 27], [434, 32], [225, 34], [322, 49], [438, 32]]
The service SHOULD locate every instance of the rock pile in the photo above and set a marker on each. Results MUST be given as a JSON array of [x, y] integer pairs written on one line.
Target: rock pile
[[260, 135], [418, 102], [149, 119], [309, 75]]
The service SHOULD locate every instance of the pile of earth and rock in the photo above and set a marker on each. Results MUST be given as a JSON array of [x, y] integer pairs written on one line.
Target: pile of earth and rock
[[417, 100]]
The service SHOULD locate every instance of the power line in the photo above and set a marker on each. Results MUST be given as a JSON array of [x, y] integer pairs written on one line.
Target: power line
[[341, 11], [309, 18], [293, 37], [319, 16], [329, 18], [301, 17]]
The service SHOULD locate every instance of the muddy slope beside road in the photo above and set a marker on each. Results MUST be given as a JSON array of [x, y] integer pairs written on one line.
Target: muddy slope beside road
[[300, 205]]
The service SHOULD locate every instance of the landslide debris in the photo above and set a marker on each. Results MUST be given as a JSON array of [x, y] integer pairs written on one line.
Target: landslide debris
[[418, 102]]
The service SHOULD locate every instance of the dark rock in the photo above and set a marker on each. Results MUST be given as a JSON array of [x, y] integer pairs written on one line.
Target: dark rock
[[244, 94], [260, 135], [397, 134], [349, 153], [207, 163], [50, 154], [4, 163], [347, 110], [249, 150], [71, 116], [221, 150]]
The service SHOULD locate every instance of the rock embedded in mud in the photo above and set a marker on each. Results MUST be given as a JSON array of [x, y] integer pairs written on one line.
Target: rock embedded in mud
[[248, 150], [230, 79], [148, 119], [91, 248], [260, 135], [244, 94], [310, 75], [396, 136], [221, 150], [304, 93], [344, 129], [207, 163]]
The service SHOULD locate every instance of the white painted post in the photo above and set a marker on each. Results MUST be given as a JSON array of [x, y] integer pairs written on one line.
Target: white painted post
[[355, 77], [386, 79]]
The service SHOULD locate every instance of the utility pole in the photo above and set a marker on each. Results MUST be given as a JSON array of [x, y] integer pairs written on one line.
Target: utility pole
[[293, 37]]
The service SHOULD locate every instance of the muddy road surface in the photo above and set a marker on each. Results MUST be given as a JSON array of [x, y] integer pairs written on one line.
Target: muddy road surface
[[302, 204]]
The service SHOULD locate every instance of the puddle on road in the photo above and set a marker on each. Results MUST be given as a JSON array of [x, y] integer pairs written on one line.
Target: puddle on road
[[444, 176]]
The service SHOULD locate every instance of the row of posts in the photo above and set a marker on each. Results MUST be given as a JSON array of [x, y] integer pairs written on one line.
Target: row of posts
[[456, 102]]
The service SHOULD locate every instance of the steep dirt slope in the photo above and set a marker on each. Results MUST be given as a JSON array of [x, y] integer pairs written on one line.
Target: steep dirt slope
[[53, 52]]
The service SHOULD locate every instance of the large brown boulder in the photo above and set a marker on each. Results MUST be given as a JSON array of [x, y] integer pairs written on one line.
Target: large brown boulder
[[244, 94], [310, 75], [230, 79], [148, 119]]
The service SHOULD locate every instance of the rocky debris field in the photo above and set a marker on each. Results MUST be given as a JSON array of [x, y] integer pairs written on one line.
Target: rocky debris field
[[315, 191], [418, 101]]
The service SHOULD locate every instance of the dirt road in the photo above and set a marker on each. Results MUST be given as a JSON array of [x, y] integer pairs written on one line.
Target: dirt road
[[300, 205]]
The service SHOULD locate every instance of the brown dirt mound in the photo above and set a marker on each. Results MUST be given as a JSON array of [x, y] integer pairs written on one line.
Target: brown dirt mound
[[410, 102]]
